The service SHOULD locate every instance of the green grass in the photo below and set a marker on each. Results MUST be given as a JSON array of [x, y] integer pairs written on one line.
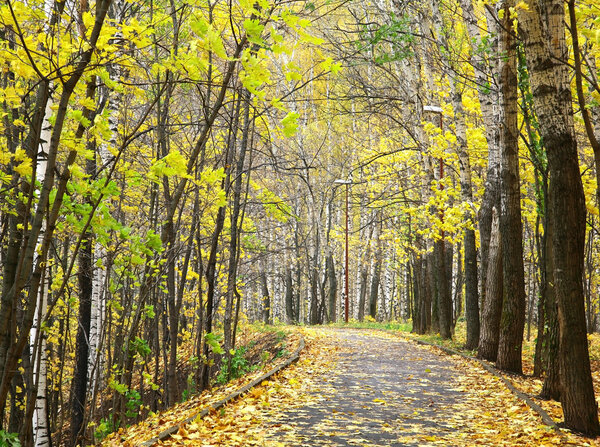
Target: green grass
[[259, 326], [369, 323], [457, 342]]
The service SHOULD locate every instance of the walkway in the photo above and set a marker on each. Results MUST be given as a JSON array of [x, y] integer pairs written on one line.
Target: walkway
[[383, 391], [369, 388]]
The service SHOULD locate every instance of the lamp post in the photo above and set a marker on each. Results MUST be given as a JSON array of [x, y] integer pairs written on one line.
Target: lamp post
[[439, 111], [347, 182]]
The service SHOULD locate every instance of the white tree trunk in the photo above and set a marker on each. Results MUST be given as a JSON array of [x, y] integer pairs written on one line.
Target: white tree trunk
[[388, 285], [41, 433], [95, 362], [278, 303], [99, 280], [37, 338]]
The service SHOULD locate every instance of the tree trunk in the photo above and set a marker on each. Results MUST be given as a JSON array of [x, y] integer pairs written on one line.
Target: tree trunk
[[80, 376], [589, 276], [289, 296], [432, 287], [332, 291], [41, 426], [38, 342], [541, 244], [410, 293], [362, 297], [376, 271], [169, 242], [544, 40], [472, 295], [492, 306], [211, 271], [266, 298], [443, 292], [236, 223], [486, 75], [374, 294], [551, 387], [470, 257], [512, 322], [200, 314], [427, 288], [416, 287]]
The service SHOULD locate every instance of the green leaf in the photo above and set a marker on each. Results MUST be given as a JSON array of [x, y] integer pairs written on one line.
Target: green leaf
[[216, 43], [120, 388], [77, 115], [200, 27], [290, 124], [153, 241], [212, 340], [254, 30]]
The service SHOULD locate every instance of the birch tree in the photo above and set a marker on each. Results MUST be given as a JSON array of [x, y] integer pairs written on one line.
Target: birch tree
[[546, 52]]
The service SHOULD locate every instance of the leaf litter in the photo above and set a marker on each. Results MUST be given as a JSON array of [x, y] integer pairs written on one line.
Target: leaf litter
[[363, 388]]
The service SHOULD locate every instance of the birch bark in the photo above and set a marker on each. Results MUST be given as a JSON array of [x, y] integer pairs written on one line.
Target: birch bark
[[545, 48]]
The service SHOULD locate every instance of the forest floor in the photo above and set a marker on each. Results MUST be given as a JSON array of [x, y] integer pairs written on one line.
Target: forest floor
[[366, 388]]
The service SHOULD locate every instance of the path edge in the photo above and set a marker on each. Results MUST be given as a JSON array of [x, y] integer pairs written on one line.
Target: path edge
[[220, 403]]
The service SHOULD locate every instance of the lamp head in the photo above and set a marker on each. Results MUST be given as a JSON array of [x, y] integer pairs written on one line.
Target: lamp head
[[435, 109]]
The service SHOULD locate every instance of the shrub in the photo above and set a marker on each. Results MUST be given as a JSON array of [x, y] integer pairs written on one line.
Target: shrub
[[239, 366], [9, 439]]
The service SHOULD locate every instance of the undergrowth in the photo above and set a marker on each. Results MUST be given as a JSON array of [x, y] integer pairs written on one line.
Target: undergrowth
[[238, 367], [9, 439]]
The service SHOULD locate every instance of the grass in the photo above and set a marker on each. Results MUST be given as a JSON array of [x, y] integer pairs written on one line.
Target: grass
[[370, 323]]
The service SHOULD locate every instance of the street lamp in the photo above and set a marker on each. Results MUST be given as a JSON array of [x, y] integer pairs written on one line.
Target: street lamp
[[346, 182], [439, 111]]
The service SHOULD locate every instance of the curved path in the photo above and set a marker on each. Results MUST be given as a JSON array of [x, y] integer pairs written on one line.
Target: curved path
[[369, 388], [383, 391]]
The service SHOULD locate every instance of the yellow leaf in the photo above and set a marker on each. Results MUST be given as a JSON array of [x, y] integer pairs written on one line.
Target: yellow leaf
[[24, 168], [522, 5], [182, 432], [248, 409]]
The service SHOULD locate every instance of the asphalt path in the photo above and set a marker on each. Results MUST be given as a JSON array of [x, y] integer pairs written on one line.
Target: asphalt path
[[384, 391]]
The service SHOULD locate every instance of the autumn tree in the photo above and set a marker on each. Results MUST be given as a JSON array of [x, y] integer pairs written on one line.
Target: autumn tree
[[511, 227], [546, 52]]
